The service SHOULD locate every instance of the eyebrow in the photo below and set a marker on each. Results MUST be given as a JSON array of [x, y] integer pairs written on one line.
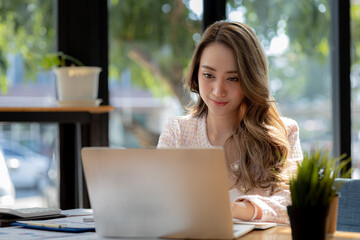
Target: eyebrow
[[213, 69]]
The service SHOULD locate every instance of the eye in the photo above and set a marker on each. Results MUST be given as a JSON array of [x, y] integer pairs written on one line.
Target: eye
[[233, 79], [208, 75]]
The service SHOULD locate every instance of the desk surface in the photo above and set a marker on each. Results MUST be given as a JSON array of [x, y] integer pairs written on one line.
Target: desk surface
[[284, 233], [94, 109], [278, 233]]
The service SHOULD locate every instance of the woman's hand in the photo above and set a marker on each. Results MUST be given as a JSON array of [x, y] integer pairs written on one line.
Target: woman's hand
[[244, 210]]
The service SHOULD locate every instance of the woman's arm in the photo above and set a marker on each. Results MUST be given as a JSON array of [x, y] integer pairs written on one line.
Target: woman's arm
[[270, 208], [245, 211]]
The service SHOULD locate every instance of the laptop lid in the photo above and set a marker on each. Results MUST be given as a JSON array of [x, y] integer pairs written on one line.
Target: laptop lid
[[175, 193]]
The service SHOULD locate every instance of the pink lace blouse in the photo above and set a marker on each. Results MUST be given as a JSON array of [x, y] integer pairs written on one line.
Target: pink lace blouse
[[187, 131]]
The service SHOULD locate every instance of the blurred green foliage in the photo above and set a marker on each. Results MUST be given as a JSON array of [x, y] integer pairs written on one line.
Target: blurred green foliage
[[154, 39], [303, 69], [26, 27]]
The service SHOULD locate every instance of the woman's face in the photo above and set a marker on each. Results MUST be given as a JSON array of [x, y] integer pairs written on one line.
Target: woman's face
[[219, 84]]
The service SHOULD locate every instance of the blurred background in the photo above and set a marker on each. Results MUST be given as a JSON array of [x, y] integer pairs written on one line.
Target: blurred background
[[150, 46]]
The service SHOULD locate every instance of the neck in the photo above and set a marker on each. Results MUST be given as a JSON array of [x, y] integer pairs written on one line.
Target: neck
[[219, 128]]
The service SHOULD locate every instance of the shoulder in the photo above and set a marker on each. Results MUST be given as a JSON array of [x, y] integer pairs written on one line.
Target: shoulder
[[290, 125], [292, 129]]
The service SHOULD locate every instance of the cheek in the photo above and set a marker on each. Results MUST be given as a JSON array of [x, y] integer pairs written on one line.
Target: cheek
[[202, 86], [241, 94], [238, 92]]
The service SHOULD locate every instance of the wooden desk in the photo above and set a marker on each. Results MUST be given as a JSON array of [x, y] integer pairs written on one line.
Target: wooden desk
[[78, 127], [276, 233], [284, 233]]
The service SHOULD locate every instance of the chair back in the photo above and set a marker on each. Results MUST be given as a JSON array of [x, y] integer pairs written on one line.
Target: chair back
[[349, 205]]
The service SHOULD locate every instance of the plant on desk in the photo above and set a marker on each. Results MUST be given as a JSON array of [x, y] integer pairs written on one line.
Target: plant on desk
[[77, 85], [312, 192]]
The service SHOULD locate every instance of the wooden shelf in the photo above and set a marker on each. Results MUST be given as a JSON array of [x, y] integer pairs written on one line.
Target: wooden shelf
[[94, 110]]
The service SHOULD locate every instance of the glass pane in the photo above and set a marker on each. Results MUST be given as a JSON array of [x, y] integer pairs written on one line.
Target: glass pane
[[27, 35], [28, 165], [298, 51], [147, 62], [355, 86], [27, 151]]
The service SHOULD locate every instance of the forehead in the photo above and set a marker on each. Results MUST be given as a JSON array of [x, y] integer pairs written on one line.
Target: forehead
[[218, 55]]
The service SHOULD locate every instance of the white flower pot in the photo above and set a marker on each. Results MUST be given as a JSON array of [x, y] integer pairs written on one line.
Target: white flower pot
[[77, 84]]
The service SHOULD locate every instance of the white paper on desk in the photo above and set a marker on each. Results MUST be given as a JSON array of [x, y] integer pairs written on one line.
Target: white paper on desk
[[78, 212], [69, 222], [258, 225]]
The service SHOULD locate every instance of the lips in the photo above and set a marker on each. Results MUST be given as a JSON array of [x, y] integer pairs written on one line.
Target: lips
[[219, 103]]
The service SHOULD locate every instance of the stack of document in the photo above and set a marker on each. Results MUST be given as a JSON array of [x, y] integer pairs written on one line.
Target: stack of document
[[80, 220], [10, 215]]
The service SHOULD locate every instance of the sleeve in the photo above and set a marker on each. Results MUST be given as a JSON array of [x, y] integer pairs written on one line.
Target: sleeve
[[168, 136], [274, 207]]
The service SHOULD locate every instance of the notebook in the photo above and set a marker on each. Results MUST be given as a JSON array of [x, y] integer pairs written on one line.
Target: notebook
[[168, 193]]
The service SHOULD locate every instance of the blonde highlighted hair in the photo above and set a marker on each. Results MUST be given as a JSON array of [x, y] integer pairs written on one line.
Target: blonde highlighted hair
[[259, 144]]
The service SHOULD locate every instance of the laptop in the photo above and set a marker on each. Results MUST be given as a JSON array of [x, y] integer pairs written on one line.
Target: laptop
[[167, 193]]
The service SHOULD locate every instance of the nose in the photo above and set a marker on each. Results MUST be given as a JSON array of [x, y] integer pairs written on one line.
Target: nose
[[219, 89]]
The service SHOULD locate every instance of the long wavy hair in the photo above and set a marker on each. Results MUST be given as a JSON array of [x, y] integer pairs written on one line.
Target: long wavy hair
[[258, 146]]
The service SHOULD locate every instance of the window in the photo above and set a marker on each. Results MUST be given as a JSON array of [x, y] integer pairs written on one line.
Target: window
[[298, 51], [27, 32], [147, 61], [355, 86]]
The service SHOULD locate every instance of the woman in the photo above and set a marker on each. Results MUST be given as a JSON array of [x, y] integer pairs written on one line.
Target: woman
[[234, 109]]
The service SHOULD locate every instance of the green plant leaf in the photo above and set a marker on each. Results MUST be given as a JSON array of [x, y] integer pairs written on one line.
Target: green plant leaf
[[313, 185]]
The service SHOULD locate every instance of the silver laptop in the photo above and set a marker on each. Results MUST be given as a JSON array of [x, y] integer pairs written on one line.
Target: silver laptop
[[169, 193]]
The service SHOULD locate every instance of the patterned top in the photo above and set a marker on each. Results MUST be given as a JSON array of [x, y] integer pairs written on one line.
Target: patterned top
[[188, 131]]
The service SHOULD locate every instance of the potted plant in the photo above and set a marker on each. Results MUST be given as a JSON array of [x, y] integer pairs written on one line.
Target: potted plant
[[312, 192], [77, 85]]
